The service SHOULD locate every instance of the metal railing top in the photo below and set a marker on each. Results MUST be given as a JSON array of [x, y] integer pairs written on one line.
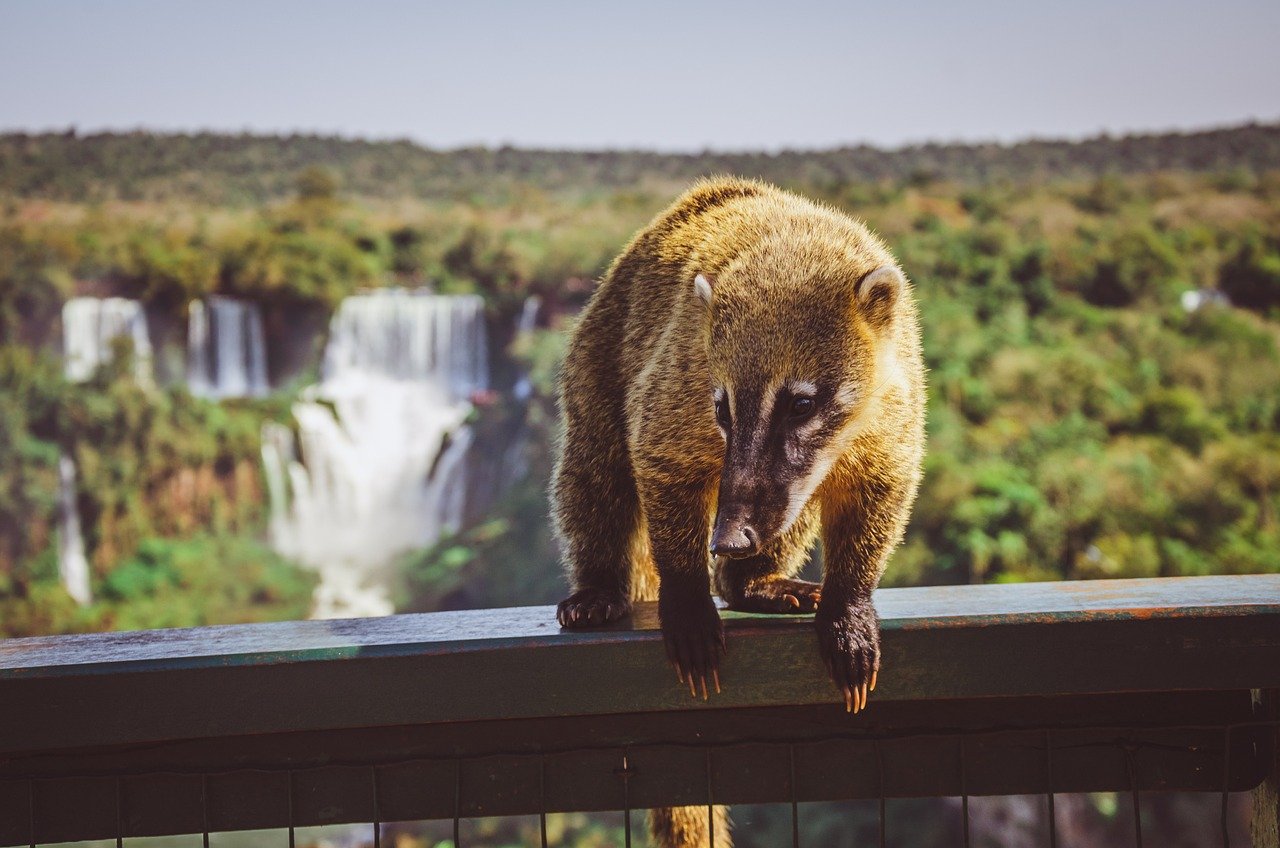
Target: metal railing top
[[1174, 634], [926, 607]]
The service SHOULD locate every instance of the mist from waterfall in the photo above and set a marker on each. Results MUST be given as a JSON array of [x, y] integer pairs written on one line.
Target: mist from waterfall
[[89, 324], [73, 567], [378, 467], [226, 349]]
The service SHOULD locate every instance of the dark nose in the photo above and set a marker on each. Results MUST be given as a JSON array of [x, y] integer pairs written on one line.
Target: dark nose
[[734, 538]]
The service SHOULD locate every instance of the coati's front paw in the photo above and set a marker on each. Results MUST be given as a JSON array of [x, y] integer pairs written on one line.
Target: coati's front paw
[[694, 637], [849, 643], [592, 608], [778, 595]]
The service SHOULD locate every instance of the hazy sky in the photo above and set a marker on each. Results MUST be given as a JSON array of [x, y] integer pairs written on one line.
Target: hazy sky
[[641, 74]]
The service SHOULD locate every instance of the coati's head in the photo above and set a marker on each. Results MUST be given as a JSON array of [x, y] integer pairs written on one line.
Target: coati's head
[[796, 365]]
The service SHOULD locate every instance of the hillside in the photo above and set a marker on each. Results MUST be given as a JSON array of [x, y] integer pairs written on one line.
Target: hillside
[[1084, 420], [248, 169]]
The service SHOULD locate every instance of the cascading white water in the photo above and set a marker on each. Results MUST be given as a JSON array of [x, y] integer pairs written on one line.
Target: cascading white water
[[73, 567], [382, 440], [89, 324], [523, 389], [226, 351]]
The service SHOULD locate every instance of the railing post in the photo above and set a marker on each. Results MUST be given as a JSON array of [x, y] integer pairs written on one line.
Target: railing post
[[1266, 798]]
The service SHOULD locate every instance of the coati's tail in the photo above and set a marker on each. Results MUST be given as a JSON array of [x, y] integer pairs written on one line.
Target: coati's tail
[[686, 827]]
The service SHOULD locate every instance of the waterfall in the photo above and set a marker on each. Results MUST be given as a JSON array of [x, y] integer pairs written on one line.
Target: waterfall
[[226, 351], [378, 467], [528, 314], [89, 324], [524, 326], [73, 568]]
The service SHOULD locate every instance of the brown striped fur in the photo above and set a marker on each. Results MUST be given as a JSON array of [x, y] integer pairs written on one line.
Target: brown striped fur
[[748, 293]]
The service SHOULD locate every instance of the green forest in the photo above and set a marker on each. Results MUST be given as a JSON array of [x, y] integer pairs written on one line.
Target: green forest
[[1101, 324]]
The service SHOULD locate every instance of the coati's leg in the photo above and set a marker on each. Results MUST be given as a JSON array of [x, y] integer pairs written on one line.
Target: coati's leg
[[861, 524], [678, 514], [596, 508], [766, 583]]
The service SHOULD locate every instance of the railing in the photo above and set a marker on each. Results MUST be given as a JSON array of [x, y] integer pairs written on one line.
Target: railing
[[1135, 686]]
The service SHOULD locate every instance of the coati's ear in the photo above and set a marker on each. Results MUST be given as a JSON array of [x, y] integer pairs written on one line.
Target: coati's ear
[[702, 286], [878, 294]]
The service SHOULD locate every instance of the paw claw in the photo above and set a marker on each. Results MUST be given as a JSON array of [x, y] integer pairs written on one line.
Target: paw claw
[[694, 638], [591, 608], [849, 644], [779, 595]]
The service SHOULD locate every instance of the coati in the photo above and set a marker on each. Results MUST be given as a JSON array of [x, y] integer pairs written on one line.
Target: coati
[[747, 375]]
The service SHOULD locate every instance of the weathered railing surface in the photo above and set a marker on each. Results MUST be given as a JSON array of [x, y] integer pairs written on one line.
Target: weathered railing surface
[[1036, 688]]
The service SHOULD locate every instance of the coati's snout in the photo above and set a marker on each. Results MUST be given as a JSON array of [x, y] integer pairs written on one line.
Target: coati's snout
[[773, 435], [732, 535]]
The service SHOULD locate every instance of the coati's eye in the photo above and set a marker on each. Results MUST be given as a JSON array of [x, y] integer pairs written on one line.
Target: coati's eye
[[722, 412], [802, 407]]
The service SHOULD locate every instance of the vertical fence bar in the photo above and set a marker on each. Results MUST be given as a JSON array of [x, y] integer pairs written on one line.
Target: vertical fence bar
[[1048, 766], [1264, 825], [542, 796], [625, 774], [457, 803], [119, 812], [1226, 784], [964, 796], [795, 806], [711, 812], [31, 811], [204, 809], [291, 837], [377, 809], [880, 776], [1133, 790]]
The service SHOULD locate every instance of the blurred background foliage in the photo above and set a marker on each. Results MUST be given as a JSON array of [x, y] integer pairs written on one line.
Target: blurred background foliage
[[1085, 420]]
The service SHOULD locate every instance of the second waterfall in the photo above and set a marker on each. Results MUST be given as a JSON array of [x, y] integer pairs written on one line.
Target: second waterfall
[[378, 467]]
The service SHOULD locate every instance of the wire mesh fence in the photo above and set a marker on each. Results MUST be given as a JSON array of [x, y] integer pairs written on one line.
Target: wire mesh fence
[[1145, 753]]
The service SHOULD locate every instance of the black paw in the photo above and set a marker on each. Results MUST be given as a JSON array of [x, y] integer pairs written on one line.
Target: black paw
[[592, 608], [779, 595], [694, 637], [849, 643]]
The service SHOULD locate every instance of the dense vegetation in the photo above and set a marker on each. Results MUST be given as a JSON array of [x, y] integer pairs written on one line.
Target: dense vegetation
[[244, 169], [1083, 422], [169, 493]]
